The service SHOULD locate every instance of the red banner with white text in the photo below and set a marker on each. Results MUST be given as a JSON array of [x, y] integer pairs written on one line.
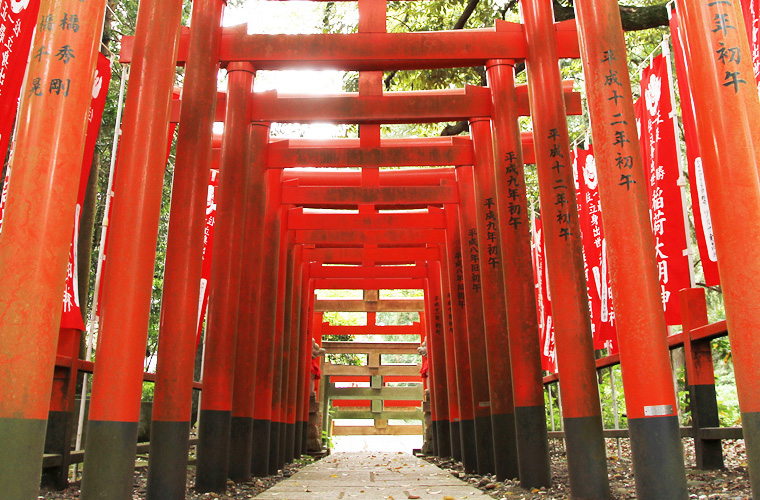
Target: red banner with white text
[[72, 314], [698, 191], [543, 300], [594, 251], [666, 209], [17, 21], [208, 239], [751, 11]]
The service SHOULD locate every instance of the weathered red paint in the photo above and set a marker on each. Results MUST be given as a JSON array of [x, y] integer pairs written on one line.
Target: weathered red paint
[[224, 295], [379, 51], [250, 286], [172, 397]]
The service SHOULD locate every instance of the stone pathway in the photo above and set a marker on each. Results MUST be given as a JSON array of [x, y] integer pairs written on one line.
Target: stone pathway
[[372, 476]]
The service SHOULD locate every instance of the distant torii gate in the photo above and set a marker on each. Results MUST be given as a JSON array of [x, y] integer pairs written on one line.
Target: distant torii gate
[[255, 201]]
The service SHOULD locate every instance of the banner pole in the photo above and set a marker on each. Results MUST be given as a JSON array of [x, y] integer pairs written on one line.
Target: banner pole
[[689, 250]]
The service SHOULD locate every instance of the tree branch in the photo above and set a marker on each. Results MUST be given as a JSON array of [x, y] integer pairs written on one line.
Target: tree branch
[[633, 18], [456, 128], [465, 16]]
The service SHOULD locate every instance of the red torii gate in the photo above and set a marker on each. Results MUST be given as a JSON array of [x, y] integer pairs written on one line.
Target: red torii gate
[[31, 298]]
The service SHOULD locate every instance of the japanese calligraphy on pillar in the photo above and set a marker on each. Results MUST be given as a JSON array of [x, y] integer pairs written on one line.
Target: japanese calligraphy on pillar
[[513, 185], [594, 251], [543, 300], [437, 315], [658, 145], [561, 189], [208, 239], [17, 20], [698, 191], [726, 49], [459, 266], [751, 11], [492, 233], [472, 242], [618, 123]]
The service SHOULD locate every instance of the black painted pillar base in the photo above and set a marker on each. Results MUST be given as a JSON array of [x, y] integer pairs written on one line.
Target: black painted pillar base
[[283, 452], [434, 437], [213, 451], [587, 458], [444, 438], [456, 440], [241, 445], [109, 463], [260, 455], [290, 443], [657, 458], [60, 425], [704, 413], [298, 439], [504, 446], [274, 447], [751, 431], [21, 457], [304, 438], [167, 467], [469, 448], [484, 445], [532, 447]]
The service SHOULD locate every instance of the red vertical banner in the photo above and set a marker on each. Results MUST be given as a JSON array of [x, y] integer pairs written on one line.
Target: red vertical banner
[[543, 300], [655, 115], [208, 240], [71, 316], [751, 11], [17, 21], [594, 251], [699, 205]]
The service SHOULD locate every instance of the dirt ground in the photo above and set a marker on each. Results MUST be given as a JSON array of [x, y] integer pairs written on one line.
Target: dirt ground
[[730, 483]]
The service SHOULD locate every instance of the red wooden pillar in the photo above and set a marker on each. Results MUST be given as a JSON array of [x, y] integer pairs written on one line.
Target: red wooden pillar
[[286, 303], [494, 303], [37, 229], [278, 374], [726, 101], [241, 427], [575, 356], [262, 410], [533, 455], [530, 419], [431, 388], [306, 386], [296, 366], [172, 399], [117, 380], [700, 380], [437, 360], [455, 261], [647, 379], [448, 344], [224, 294], [473, 262]]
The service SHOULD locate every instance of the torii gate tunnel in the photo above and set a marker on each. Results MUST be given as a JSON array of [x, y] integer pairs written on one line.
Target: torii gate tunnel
[[459, 231]]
